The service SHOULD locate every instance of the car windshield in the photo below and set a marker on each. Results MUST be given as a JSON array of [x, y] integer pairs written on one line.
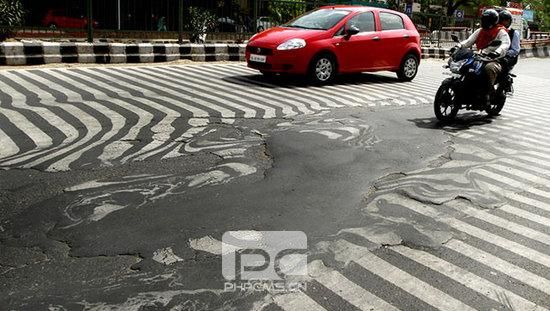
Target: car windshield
[[323, 19]]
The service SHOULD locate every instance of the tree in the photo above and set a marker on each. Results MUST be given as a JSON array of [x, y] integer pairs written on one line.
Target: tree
[[201, 21], [284, 10], [12, 14], [542, 12], [452, 5]]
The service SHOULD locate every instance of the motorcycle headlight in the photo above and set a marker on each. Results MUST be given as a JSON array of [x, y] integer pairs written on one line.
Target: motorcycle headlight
[[292, 44], [455, 66]]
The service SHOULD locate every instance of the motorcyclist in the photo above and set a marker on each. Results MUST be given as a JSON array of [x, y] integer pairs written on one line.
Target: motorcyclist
[[511, 58], [490, 30]]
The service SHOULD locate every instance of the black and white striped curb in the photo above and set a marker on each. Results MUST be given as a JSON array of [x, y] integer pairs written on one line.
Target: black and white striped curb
[[17, 53], [37, 53]]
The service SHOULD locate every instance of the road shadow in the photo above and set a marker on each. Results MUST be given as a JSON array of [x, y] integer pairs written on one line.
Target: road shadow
[[292, 81], [462, 122]]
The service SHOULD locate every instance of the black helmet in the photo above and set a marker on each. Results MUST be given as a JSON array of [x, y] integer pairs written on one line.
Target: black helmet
[[489, 19], [504, 15]]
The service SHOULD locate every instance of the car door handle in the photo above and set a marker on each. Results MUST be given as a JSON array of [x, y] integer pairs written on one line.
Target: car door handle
[[376, 39], [406, 36]]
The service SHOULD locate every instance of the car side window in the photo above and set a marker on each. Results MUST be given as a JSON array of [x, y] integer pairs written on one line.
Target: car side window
[[363, 21], [391, 21]]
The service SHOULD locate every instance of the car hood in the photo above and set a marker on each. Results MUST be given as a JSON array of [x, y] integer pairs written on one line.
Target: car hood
[[275, 36]]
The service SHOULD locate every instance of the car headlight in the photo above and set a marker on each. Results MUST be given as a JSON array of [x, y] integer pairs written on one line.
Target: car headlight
[[292, 44]]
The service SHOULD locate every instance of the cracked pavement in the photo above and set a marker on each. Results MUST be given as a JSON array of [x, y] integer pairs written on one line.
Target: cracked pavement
[[399, 212]]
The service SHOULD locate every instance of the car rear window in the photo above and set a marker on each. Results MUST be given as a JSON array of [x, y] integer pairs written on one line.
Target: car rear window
[[391, 21], [363, 21]]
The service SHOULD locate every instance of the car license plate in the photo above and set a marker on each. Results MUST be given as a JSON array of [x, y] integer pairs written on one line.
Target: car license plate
[[258, 58]]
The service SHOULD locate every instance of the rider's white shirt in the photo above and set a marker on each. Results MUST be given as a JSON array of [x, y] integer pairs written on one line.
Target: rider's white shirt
[[502, 36]]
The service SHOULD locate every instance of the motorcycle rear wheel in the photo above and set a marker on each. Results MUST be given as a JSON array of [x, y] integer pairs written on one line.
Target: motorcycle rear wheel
[[446, 106]]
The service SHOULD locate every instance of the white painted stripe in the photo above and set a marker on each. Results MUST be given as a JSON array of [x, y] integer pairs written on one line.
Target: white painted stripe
[[264, 95], [481, 234], [115, 149], [162, 130], [352, 293], [526, 215], [319, 95], [226, 99], [117, 122], [349, 291], [500, 265], [19, 100], [505, 224], [404, 280], [163, 84], [92, 125], [8, 146], [468, 279], [36, 134], [297, 301], [117, 75]]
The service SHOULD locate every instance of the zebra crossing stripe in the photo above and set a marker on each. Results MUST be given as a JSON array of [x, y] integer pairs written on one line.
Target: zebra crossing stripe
[[467, 279], [160, 131], [165, 77], [9, 147], [115, 149], [474, 231], [402, 279], [318, 95], [525, 215], [505, 224], [297, 301], [528, 201], [499, 264], [267, 96], [351, 292], [90, 123], [117, 122], [175, 90], [258, 103]]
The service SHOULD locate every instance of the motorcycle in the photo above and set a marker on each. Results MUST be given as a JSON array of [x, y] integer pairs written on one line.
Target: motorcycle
[[467, 86]]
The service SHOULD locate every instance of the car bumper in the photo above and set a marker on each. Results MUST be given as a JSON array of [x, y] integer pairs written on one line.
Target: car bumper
[[291, 61]]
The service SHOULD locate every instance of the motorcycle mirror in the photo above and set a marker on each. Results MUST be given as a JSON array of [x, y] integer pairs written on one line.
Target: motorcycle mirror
[[495, 43], [455, 38]]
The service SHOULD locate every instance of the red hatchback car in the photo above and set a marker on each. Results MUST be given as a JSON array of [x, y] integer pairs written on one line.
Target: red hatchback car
[[61, 18], [338, 39]]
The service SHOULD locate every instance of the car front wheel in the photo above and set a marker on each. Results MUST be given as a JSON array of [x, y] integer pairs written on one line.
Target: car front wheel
[[323, 69], [409, 68]]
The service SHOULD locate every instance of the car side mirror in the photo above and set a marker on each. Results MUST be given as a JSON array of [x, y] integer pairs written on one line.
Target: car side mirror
[[352, 30], [455, 38], [495, 43]]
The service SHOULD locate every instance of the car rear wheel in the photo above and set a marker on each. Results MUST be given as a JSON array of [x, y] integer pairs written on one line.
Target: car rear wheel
[[409, 68], [322, 69]]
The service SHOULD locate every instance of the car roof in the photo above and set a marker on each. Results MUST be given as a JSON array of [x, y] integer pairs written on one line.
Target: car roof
[[359, 8]]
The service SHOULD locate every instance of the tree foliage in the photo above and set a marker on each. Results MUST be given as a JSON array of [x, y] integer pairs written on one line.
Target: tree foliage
[[200, 22], [283, 11], [11, 14]]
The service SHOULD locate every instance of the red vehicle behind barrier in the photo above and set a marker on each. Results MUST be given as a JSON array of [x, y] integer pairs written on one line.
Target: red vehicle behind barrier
[[338, 39], [60, 18]]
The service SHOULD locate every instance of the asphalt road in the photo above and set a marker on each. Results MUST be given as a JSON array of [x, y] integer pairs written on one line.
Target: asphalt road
[[118, 183]]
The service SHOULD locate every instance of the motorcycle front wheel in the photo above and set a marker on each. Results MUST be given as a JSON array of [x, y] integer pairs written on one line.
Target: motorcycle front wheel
[[446, 105], [497, 102]]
